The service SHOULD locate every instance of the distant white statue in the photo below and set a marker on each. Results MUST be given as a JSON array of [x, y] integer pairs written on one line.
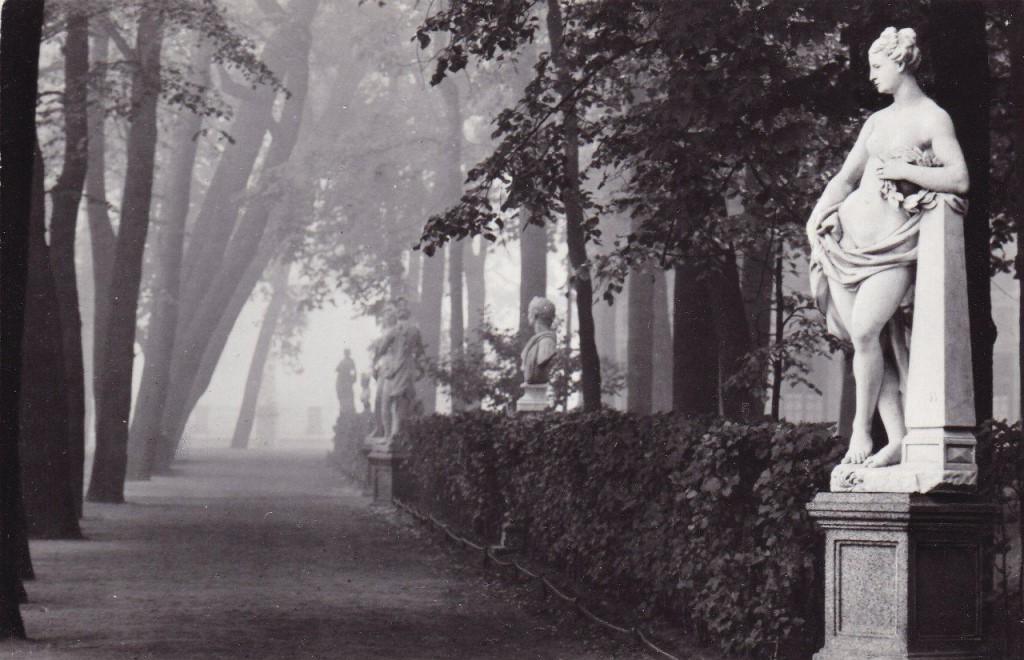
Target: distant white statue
[[538, 356], [401, 347], [864, 237]]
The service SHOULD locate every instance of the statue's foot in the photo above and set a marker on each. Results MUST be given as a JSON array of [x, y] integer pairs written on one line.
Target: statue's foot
[[888, 455], [860, 448]]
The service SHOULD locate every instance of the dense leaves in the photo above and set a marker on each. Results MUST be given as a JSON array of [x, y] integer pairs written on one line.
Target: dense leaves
[[702, 521]]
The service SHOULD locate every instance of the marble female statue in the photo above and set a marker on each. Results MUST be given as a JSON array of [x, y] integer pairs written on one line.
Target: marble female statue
[[863, 233]]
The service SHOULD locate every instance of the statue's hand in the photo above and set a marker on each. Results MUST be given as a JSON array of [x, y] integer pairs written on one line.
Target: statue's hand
[[892, 170], [830, 225]]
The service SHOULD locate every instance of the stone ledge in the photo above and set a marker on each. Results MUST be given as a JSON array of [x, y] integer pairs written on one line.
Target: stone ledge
[[904, 478]]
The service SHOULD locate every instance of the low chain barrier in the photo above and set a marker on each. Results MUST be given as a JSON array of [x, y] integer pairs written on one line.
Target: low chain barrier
[[490, 558]]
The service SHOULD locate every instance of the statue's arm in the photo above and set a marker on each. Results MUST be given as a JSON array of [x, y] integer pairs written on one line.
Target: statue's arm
[[951, 176], [848, 177]]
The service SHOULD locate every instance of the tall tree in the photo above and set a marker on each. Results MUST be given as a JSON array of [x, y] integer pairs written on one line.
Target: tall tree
[[695, 354], [115, 394], [21, 27], [533, 264], [67, 196], [247, 413], [640, 361], [50, 500], [1016, 39], [575, 219], [170, 241], [456, 249]]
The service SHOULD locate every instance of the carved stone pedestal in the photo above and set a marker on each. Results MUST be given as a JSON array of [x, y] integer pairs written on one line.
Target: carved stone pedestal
[[534, 399], [382, 468], [904, 575]]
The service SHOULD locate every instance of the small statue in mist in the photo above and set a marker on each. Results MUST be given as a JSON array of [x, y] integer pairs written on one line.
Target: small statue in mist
[[400, 346], [378, 361], [538, 356], [346, 380], [864, 237]]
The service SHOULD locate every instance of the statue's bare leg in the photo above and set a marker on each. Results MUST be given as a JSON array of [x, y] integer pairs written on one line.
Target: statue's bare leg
[[841, 302], [890, 409], [877, 299]]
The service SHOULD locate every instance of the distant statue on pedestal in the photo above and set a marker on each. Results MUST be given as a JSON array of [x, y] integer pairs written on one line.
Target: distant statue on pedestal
[[400, 348], [346, 379], [538, 356]]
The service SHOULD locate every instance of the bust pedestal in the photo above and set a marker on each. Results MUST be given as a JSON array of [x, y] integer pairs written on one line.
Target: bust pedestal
[[534, 399], [904, 575]]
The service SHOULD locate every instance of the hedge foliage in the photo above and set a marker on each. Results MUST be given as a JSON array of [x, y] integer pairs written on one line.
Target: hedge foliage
[[700, 520]]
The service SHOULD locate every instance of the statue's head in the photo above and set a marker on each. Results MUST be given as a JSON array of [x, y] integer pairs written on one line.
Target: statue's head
[[893, 54], [541, 309], [348, 353]]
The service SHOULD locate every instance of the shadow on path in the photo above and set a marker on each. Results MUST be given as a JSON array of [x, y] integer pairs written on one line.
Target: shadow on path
[[268, 554]]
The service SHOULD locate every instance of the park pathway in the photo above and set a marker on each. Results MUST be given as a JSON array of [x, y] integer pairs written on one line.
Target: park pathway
[[269, 554]]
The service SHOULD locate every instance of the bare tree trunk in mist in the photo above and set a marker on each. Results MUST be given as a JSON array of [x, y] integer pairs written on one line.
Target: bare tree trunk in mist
[[476, 287], [67, 196], [247, 413], [207, 306], [114, 398], [661, 379], [533, 265], [695, 350], [101, 232], [429, 315], [733, 335], [169, 245], [412, 278], [50, 504], [457, 248], [20, 35], [572, 200], [640, 361]]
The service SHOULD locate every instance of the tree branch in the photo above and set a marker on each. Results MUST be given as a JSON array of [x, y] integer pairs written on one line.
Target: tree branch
[[228, 85], [110, 30]]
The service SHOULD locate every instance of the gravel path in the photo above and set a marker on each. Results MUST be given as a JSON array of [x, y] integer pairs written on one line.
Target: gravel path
[[268, 554]]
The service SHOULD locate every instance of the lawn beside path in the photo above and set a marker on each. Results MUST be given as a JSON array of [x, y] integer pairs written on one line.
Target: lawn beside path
[[270, 554]]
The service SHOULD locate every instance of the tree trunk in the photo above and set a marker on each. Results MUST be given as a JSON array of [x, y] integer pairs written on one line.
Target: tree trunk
[[194, 332], [533, 265], [572, 200], [166, 285], [101, 231], [457, 321], [733, 337], [67, 196], [694, 345], [247, 414], [640, 363], [115, 394], [661, 386], [429, 315], [963, 89], [50, 503], [756, 283], [476, 287], [457, 248], [20, 35], [778, 337], [1016, 39]]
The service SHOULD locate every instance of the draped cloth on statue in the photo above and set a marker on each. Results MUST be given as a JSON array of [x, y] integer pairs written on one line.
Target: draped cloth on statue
[[849, 266]]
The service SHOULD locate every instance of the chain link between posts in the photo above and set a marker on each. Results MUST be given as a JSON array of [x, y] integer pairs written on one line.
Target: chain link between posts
[[489, 557]]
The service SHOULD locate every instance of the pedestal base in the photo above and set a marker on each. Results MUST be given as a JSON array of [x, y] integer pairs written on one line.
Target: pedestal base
[[904, 575], [382, 468], [534, 399], [905, 478]]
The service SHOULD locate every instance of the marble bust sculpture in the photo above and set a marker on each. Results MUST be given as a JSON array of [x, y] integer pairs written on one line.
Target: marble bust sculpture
[[864, 237], [538, 355]]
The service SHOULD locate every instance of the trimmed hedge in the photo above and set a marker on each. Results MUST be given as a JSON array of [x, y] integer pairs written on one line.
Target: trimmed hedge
[[700, 520]]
